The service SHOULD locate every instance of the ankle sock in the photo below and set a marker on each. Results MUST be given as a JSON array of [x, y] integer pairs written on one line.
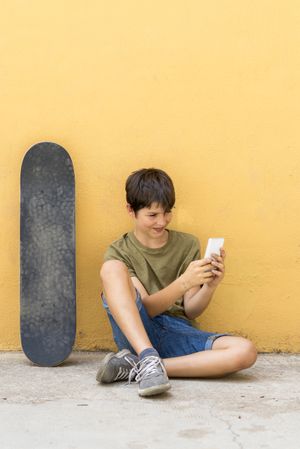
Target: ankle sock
[[148, 352]]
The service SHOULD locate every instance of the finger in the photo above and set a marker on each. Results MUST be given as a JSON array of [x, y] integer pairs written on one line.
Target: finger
[[216, 256], [223, 253], [206, 268], [208, 280], [199, 263], [203, 262], [219, 260], [219, 266], [217, 273]]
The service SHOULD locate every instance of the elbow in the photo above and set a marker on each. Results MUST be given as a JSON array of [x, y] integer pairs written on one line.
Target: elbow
[[190, 314], [151, 311], [152, 314], [148, 308]]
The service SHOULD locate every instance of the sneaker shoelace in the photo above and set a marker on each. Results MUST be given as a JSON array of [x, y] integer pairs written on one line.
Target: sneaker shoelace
[[123, 373], [145, 367]]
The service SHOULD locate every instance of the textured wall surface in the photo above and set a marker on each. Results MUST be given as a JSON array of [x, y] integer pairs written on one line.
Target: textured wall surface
[[209, 92]]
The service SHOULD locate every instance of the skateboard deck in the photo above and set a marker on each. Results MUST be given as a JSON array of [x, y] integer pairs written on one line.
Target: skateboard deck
[[47, 227]]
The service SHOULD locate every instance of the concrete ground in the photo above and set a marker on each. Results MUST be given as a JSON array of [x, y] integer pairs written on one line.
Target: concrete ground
[[65, 408]]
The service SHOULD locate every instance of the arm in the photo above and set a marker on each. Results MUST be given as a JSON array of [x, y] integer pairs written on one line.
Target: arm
[[196, 274], [196, 300]]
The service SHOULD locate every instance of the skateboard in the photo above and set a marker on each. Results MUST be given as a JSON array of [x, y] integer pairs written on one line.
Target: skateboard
[[47, 228]]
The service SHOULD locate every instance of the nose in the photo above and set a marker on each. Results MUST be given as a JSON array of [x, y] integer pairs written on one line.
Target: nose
[[162, 220]]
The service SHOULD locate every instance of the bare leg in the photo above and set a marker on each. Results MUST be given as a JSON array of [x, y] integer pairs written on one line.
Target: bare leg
[[228, 355], [120, 295]]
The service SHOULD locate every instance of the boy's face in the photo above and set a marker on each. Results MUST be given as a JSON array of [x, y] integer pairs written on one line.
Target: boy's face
[[151, 222]]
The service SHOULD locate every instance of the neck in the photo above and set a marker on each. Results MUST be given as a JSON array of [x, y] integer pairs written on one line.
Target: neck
[[152, 243]]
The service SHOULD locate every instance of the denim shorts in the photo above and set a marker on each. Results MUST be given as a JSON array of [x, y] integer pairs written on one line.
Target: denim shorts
[[170, 336]]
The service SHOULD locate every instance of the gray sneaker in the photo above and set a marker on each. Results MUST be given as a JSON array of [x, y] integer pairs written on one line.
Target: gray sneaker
[[116, 367], [151, 375]]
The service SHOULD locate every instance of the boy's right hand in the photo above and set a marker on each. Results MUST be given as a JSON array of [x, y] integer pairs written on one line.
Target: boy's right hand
[[197, 273]]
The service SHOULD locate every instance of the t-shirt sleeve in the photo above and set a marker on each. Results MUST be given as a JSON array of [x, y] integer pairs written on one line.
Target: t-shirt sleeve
[[113, 252], [193, 253]]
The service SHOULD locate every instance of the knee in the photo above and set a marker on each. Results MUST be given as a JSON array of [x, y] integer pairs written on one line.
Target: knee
[[245, 354], [112, 268]]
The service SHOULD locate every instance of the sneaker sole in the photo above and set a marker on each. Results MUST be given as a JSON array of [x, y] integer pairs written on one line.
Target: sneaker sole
[[157, 389], [103, 374]]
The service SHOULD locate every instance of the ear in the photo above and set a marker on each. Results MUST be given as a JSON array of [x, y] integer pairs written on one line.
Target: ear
[[129, 209]]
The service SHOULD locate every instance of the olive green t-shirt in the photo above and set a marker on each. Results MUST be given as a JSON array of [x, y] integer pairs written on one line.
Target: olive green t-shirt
[[156, 268]]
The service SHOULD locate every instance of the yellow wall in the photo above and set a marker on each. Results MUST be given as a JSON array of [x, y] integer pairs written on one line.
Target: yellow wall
[[206, 90]]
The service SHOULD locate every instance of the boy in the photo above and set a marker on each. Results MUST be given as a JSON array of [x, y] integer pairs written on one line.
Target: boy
[[155, 285]]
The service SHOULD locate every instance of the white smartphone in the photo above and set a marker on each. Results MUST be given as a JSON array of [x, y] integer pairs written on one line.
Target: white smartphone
[[213, 247]]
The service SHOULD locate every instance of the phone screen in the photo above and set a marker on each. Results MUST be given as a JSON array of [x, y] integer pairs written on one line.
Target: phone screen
[[213, 246]]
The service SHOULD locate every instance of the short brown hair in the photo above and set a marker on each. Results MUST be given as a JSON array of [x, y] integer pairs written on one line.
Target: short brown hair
[[147, 186]]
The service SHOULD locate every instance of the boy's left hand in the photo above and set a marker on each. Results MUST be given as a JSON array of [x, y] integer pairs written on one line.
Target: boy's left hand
[[219, 268]]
